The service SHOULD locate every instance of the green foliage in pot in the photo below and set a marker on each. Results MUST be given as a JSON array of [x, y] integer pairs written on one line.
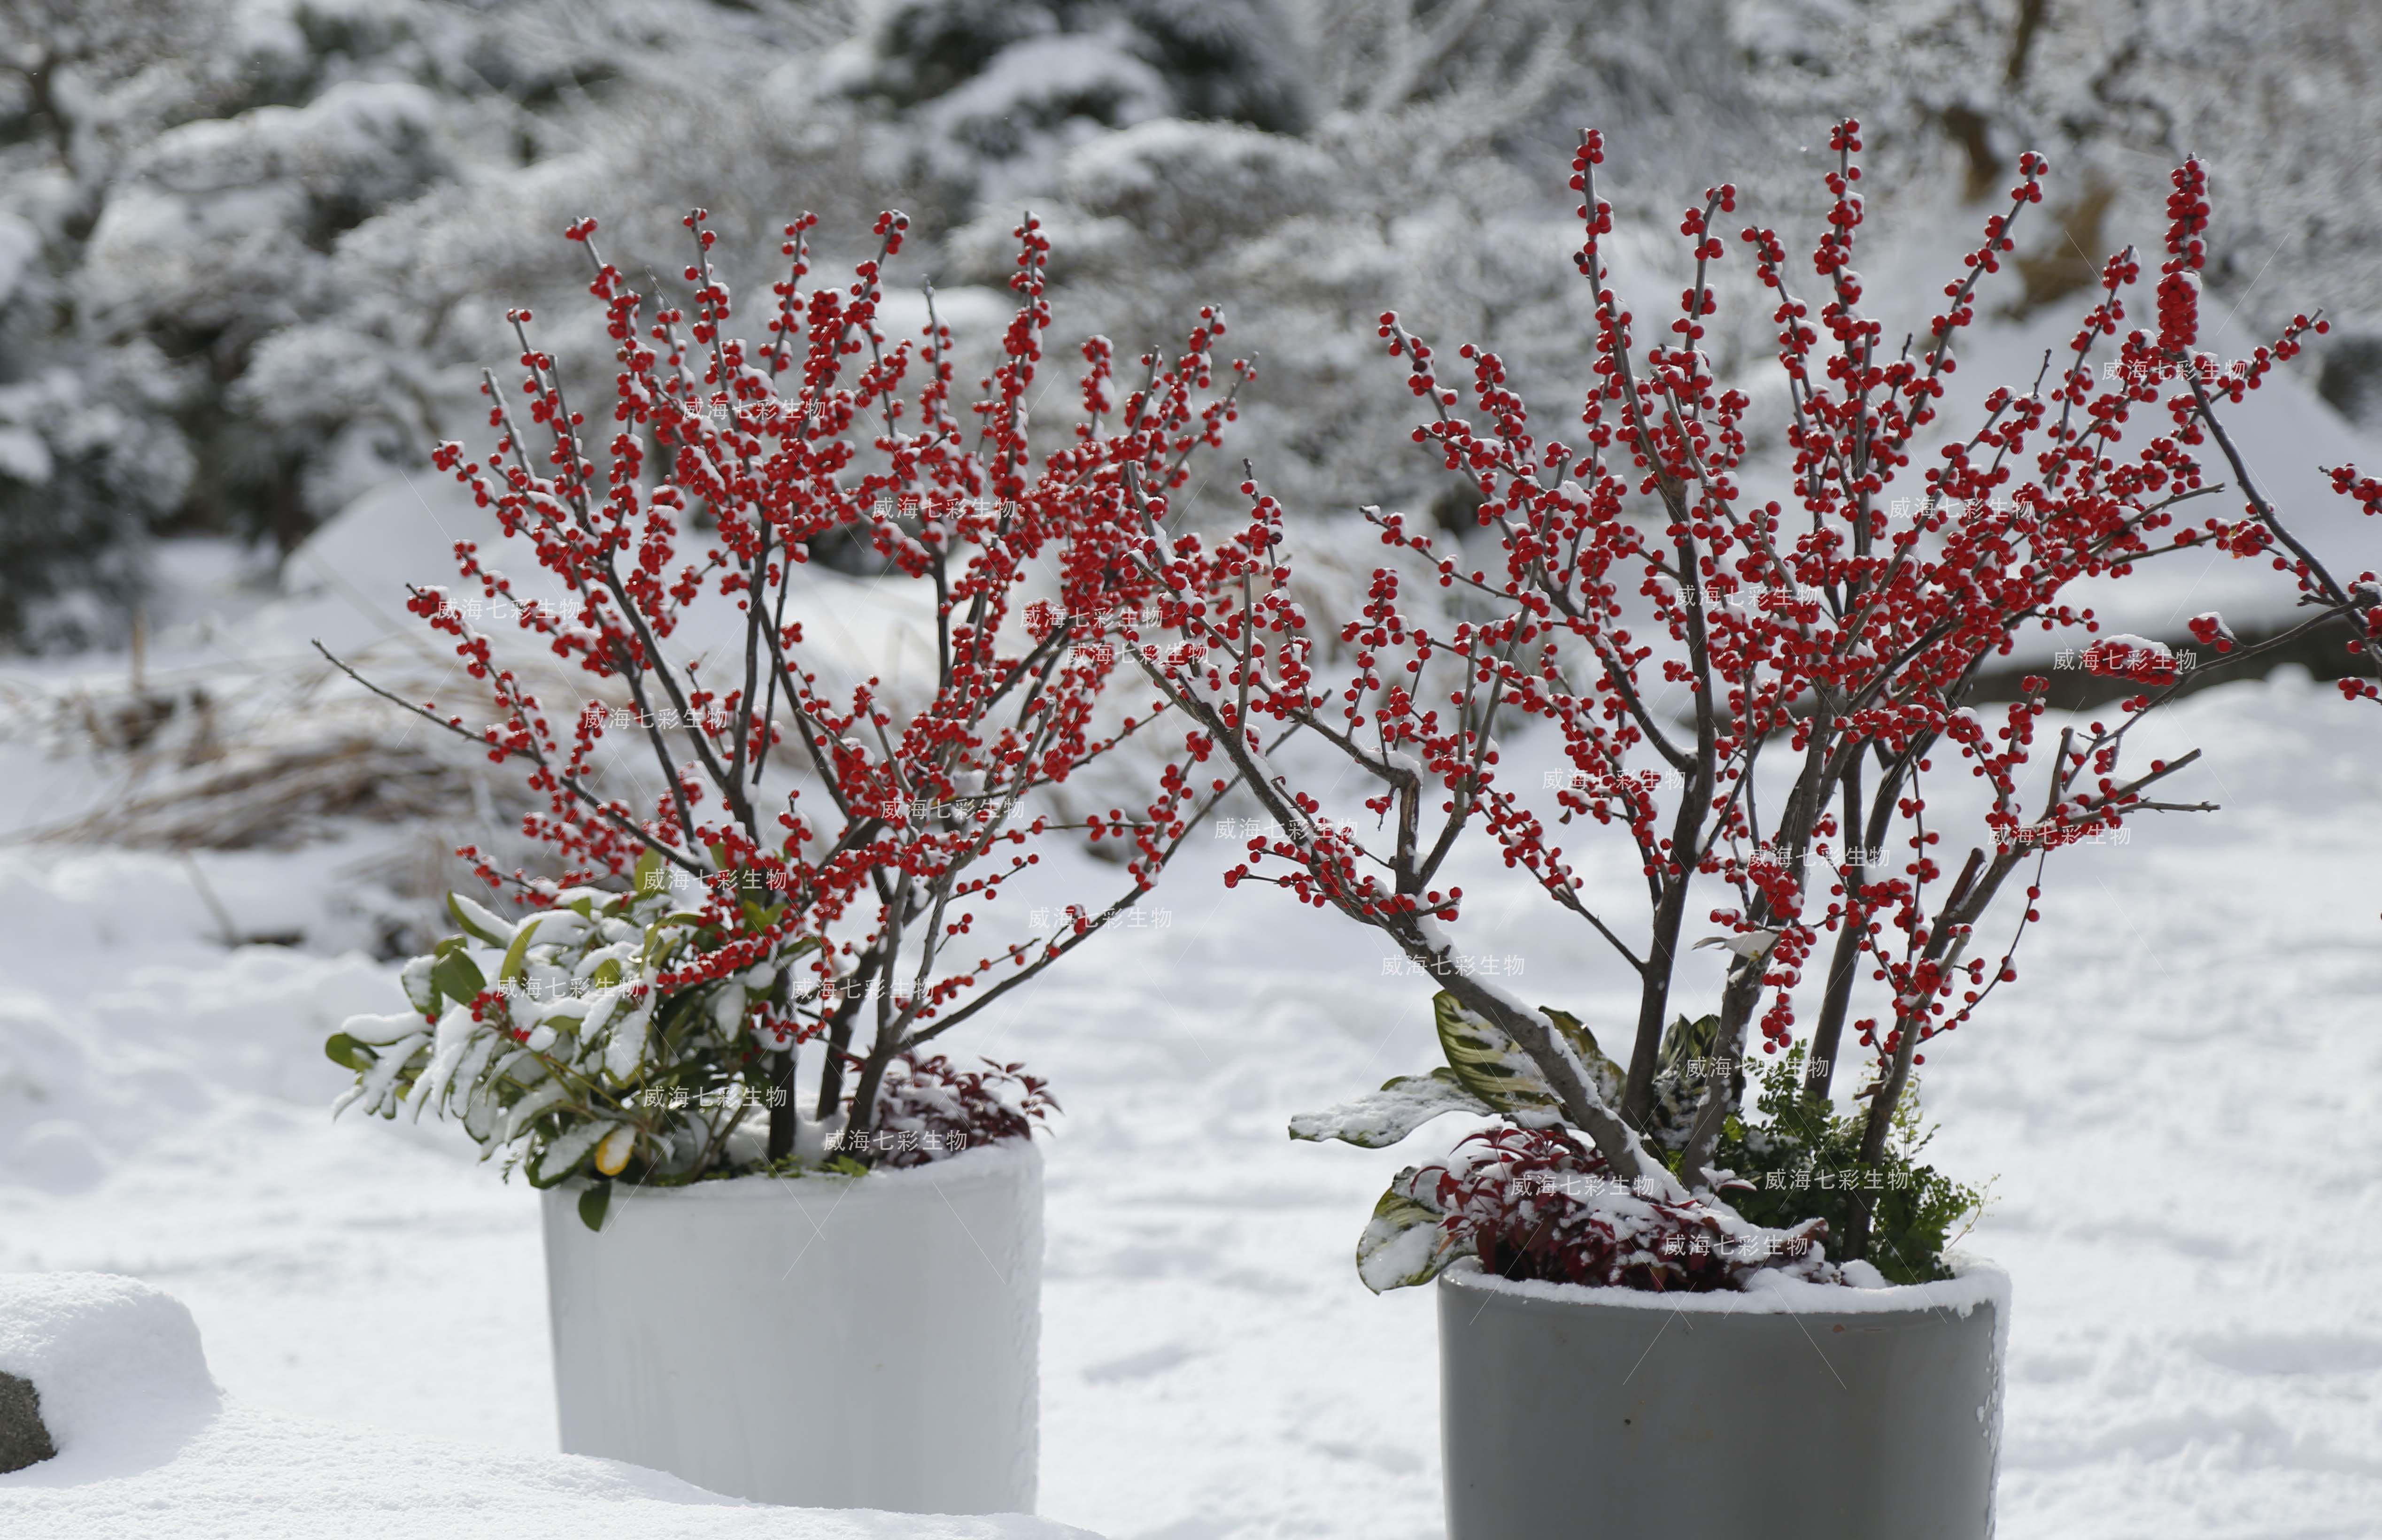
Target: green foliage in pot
[[1800, 1161]]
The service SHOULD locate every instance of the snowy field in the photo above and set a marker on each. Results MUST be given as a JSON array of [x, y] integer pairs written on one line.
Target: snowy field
[[2177, 1106]]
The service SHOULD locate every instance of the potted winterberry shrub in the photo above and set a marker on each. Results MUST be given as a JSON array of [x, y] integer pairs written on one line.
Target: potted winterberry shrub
[[1752, 688], [793, 1252]]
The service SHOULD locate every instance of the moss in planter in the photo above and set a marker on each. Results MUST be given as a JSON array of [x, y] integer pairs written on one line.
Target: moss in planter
[[1803, 1162]]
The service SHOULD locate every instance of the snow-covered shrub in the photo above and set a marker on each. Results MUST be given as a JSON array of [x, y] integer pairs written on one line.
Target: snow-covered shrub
[[2271, 97], [563, 1039], [818, 858], [335, 325], [1396, 190], [999, 85], [1749, 666], [179, 184], [931, 1106], [568, 1041], [81, 484]]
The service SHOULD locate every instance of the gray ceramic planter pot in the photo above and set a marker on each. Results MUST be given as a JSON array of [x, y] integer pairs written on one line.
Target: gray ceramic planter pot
[[1797, 1413]]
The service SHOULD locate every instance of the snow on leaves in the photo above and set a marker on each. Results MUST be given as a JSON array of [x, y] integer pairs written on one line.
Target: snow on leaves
[[1380, 1118]]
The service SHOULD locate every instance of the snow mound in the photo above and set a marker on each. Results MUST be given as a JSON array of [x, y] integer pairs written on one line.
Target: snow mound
[[347, 583], [142, 1432], [117, 1364]]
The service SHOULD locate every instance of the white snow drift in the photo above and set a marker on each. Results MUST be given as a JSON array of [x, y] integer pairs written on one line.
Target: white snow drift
[[147, 1445]]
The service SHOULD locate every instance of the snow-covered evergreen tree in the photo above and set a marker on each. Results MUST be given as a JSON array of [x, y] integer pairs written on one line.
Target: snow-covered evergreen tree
[[250, 252], [2276, 99], [178, 179]]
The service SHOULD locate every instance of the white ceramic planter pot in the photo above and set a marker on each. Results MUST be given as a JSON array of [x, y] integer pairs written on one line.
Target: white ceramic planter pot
[[827, 1341], [1793, 1412]]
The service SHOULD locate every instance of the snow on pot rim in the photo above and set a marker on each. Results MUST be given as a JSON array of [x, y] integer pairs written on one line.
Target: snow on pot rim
[[1975, 1282], [995, 1160]]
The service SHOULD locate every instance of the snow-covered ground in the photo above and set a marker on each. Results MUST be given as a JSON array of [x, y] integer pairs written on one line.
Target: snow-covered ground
[[142, 1432], [2177, 1104]]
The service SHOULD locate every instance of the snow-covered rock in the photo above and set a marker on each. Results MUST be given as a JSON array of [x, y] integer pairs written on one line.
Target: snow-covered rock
[[116, 1363], [146, 1444]]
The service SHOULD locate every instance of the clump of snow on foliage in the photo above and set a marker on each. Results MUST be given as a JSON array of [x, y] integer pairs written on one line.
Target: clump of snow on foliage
[[1538, 1203]]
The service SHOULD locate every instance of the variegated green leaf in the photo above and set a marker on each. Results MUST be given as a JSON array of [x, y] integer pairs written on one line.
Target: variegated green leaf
[[1688, 1040], [1380, 1118], [1405, 1243], [1680, 1081], [1607, 1076], [1488, 1062]]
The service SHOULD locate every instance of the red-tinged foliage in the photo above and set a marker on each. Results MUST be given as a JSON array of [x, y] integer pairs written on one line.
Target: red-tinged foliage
[[946, 1107], [1536, 1203]]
